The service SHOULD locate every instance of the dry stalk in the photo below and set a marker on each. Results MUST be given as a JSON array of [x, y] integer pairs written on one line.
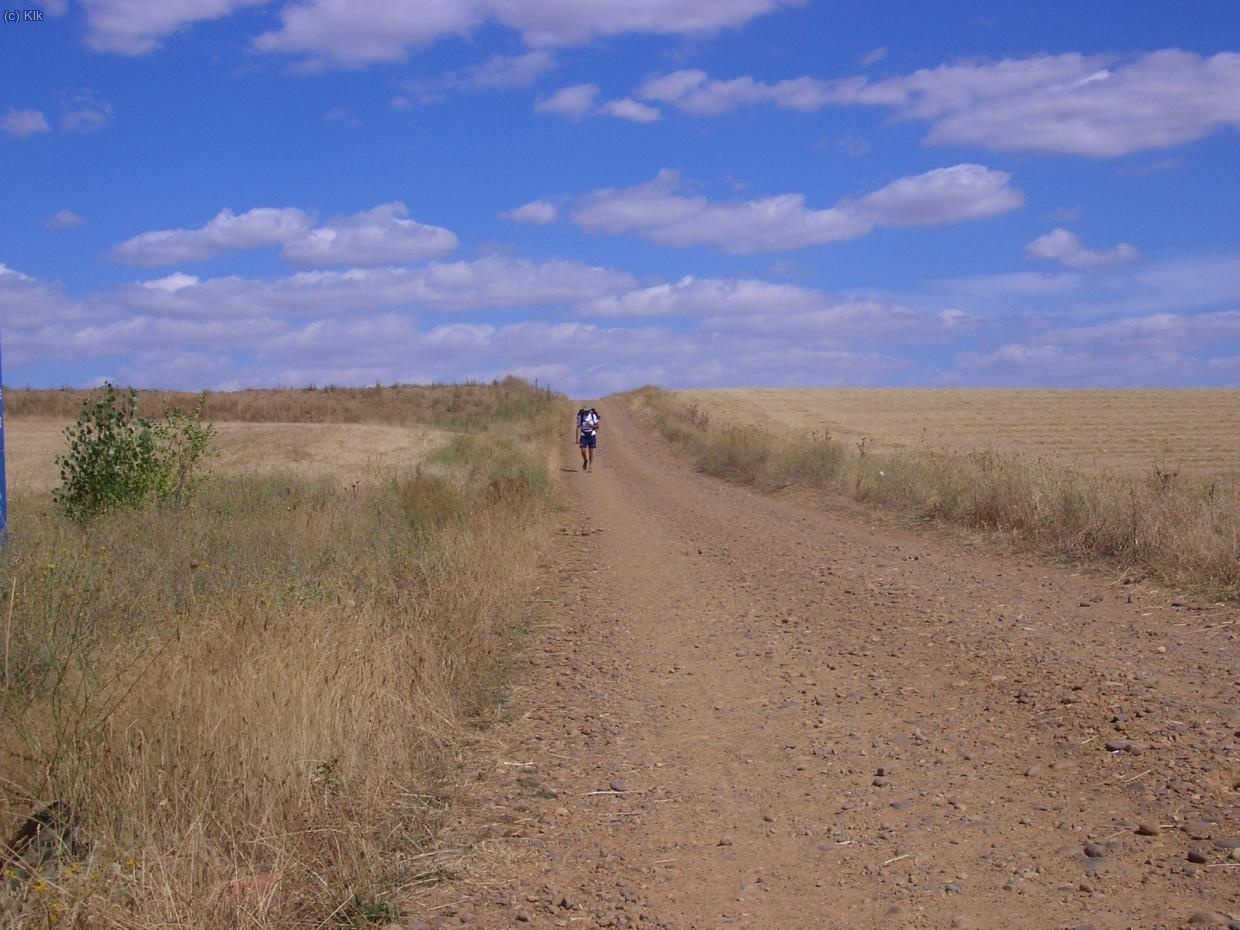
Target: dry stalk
[[8, 631]]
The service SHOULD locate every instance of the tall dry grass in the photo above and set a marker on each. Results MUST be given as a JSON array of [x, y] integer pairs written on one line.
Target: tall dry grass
[[249, 711], [1184, 530], [449, 406]]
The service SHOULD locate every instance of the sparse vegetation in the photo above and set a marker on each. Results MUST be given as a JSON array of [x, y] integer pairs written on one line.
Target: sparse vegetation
[[1182, 529], [249, 708]]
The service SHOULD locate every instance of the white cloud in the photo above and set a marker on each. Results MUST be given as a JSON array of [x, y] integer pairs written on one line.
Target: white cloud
[[1191, 284], [674, 87], [23, 123], [873, 56], [174, 370], [84, 111], [356, 326], [1014, 354], [1075, 104], [380, 236], [781, 314], [556, 22], [1161, 349], [695, 92], [358, 342], [496, 73], [578, 101], [1072, 103], [359, 32], [659, 212], [342, 116], [135, 27], [488, 283], [347, 327], [574, 101], [359, 352], [945, 195], [1065, 247], [511, 70], [363, 31], [146, 333], [183, 333], [392, 347], [1007, 291], [632, 110], [28, 305], [225, 232], [1182, 284], [843, 325], [64, 219], [537, 212], [308, 323], [1156, 331], [172, 283], [692, 296], [953, 317]]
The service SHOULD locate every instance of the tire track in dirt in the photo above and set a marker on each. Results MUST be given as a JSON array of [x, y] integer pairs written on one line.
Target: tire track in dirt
[[748, 712]]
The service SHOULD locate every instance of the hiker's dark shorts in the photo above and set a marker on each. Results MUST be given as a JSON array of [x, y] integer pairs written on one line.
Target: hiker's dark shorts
[[589, 440]]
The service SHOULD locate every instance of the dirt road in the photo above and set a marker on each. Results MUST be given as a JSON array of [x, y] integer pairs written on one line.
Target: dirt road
[[755, 713]]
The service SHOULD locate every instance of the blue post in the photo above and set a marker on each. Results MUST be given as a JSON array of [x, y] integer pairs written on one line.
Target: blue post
[[4, 488]]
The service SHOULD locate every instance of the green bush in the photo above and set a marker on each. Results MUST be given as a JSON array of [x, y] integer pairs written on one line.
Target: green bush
[[119, 459]]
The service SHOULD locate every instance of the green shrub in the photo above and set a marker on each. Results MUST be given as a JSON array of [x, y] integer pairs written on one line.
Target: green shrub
[[119, 459], [183, 444]]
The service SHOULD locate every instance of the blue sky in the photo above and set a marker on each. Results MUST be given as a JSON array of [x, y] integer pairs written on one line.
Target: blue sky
[[605, 193]]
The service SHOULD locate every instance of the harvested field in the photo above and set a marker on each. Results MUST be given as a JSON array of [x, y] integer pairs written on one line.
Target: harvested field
[[1197, 432], [348, 451]]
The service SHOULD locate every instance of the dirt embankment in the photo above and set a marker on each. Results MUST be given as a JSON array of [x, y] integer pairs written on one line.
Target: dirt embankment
[[746, 712]]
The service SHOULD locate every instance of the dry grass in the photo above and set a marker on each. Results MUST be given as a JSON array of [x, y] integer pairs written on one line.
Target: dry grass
[[1184, 529], [1194, 432], [268, 687], [348, 451], [449, 406]]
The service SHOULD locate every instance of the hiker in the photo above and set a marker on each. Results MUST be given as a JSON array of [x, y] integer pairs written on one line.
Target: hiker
[[587, 436]]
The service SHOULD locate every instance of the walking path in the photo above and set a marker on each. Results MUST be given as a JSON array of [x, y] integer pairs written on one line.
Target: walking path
[[753, 713]]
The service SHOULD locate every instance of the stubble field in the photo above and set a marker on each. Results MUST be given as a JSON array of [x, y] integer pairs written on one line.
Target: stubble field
[[350, 452], [1195, 432]]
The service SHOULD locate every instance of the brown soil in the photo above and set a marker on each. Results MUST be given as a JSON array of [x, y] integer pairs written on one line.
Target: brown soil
[[759, 713]]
